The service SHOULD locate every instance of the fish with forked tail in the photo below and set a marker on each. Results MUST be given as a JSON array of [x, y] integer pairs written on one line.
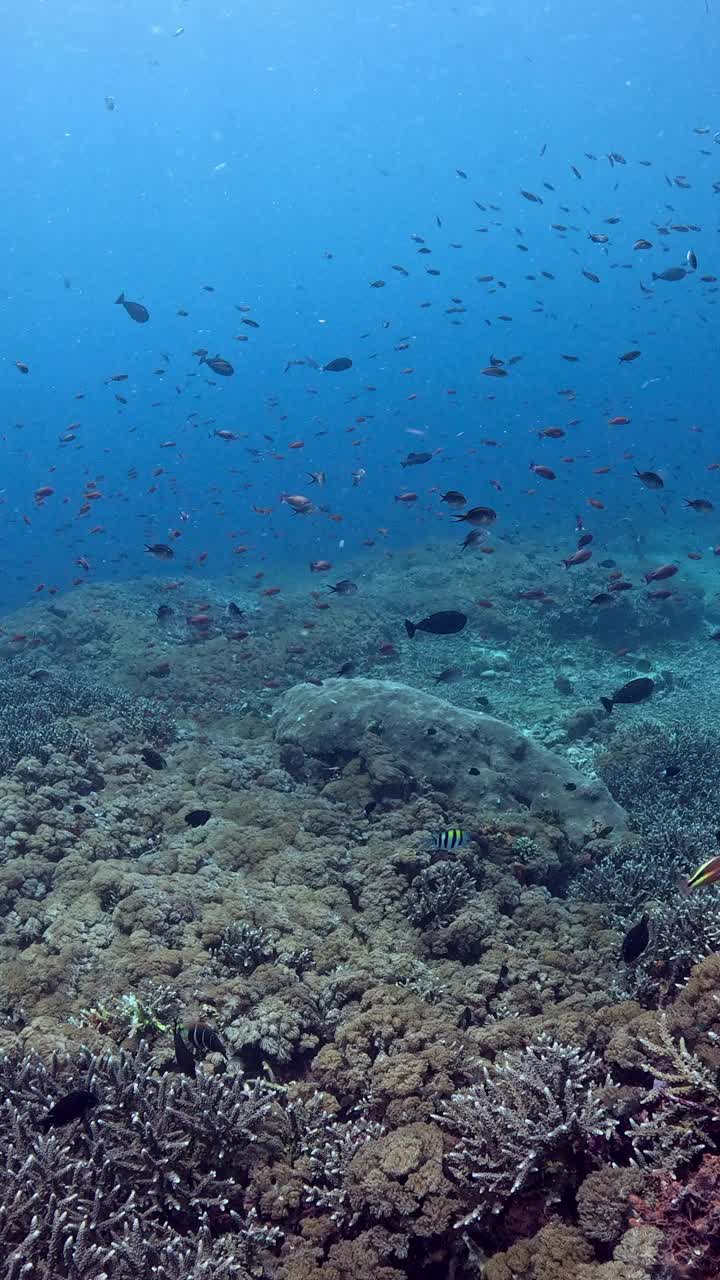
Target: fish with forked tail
[[446, 623], [634, 691]]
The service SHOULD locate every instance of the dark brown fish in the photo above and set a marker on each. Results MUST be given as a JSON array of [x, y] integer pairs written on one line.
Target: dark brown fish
[[339, 365], [473, 538], [671, 275], [449, 675], [636, 940], [445, 623], [217, 364], [205, 1037], [71, 1107], [650, 479], [183, 1055], [135, 310], [479, 516], [160, 551], [634, 691]]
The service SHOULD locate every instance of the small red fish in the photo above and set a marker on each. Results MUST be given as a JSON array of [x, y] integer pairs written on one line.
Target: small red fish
[[619, 421]]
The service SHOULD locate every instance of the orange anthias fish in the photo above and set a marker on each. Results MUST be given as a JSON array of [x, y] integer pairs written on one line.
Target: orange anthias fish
[[707, 873]]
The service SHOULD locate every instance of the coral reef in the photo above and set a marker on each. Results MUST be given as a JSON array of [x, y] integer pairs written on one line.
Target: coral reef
[[436, 1064]]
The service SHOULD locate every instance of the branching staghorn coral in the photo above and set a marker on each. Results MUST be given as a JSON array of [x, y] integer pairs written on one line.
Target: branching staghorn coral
[[681, 1114], [659, 772], [437, 894], [327, 1147], [156, 1168], [242, 947], [667, 780], [135, 1255], [539, 1104], [37, 705]]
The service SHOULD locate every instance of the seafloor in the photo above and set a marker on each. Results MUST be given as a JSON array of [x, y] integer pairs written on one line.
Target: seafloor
[[436, 1064]]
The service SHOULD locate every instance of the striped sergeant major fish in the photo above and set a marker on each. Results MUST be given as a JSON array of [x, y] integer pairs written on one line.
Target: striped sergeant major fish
[[453, 838]]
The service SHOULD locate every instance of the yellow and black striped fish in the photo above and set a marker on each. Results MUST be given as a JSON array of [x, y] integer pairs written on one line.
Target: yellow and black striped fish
[[707, 873], [454, 838]]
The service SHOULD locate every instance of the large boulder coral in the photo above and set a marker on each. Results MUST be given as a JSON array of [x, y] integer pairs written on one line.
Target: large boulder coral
[[475, 759]]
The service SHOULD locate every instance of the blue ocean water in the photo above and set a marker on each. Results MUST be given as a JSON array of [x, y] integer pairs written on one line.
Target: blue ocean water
[[284, 155]]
